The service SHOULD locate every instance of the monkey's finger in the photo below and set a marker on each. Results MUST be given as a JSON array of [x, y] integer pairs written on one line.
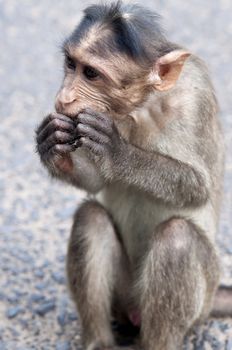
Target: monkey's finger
[[94, 135], [54, 125], [94, 147], [57, 150], [51, 117], [93, 113], [103, 124], [62, 149], [58, 137]]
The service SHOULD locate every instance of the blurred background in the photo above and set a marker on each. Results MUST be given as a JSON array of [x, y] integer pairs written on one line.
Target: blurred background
[[36, 212]]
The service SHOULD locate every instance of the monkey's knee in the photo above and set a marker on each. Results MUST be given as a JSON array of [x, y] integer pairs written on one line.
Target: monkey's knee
[[180, 250], [90, 220], [186, 248], [174, 284], [175, 235], [90, 216], [92, 234]]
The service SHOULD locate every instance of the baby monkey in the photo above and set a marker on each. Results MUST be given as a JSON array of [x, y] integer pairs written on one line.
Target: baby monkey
[[136, 126]]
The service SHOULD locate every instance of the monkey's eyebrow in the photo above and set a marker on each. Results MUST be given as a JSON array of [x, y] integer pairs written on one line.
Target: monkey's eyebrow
[[101, 70], [67, 51], [92, 63]]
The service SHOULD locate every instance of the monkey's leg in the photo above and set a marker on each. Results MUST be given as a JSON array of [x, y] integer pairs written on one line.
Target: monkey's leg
[[93, 259], [177, 283]]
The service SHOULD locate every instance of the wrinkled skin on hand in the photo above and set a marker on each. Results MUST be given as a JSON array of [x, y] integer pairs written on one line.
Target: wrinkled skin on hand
[[98, 133], [59, 135]]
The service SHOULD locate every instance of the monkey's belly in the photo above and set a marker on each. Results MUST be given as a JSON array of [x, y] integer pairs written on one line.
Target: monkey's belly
[[136, 216]]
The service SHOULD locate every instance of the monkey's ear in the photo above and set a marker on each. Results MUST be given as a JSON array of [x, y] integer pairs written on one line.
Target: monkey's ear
[[167, 69]]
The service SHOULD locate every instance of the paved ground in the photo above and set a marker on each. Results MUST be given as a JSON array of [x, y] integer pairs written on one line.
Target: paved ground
[[35, 309]]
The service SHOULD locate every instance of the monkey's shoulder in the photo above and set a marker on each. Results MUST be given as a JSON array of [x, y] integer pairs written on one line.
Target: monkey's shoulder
[[186, 114]]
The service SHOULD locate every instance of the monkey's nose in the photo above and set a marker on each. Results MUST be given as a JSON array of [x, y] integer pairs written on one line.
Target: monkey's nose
[[63, 107], [64, 100]]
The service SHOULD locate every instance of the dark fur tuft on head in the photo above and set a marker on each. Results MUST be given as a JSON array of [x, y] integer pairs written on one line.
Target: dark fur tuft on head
[[136, 30]]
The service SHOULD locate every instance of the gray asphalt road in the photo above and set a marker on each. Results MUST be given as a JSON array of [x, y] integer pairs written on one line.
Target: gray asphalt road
[[35, 309]]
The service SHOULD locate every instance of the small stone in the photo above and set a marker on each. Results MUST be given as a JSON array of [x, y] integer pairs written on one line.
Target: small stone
[[19, 292], [13, 311], [2, 345], [72, 316], [41, 286], [2, 297], [39, 273], [23, 323], [46, 263], [36, 297], [63, 345], [13, 299], [58, 277], [62, 318], [45, 308], [223, 327], [5, 268], [229, 344], [14, 332], [15, 271], [52, 290], [61, 258], [66, 212], [213, 341], [228, 249], [35, 327]]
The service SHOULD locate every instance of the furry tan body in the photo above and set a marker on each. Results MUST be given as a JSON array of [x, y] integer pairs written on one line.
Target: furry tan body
[[159, 125], [144, 140]]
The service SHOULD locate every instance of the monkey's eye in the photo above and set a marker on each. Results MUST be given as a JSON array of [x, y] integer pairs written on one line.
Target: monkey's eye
[[90, 73], [70, 63]]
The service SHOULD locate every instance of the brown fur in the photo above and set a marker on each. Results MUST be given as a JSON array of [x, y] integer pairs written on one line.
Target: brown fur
[[146, 242]]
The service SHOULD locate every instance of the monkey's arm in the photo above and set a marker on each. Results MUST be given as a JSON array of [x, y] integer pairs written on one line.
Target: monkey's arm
[[55, 139], [167, 179]]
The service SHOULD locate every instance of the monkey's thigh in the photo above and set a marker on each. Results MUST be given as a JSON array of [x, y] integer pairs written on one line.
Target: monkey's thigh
[[178, 279], [94, 255]]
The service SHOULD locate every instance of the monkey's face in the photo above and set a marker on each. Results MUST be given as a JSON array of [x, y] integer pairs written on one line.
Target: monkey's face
[[109, 69], [114, 84]]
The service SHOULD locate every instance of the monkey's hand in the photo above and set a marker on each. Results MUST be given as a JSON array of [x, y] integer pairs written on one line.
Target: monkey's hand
[[100, 136], [55, 139]]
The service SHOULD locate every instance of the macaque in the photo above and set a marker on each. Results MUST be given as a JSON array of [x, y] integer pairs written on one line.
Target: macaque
[[136, 126]]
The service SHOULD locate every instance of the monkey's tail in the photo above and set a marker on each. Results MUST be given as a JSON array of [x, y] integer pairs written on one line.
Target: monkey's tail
[[222, 306]]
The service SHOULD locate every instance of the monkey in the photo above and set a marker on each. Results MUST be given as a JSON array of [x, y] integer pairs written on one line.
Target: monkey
[[136, 126]]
